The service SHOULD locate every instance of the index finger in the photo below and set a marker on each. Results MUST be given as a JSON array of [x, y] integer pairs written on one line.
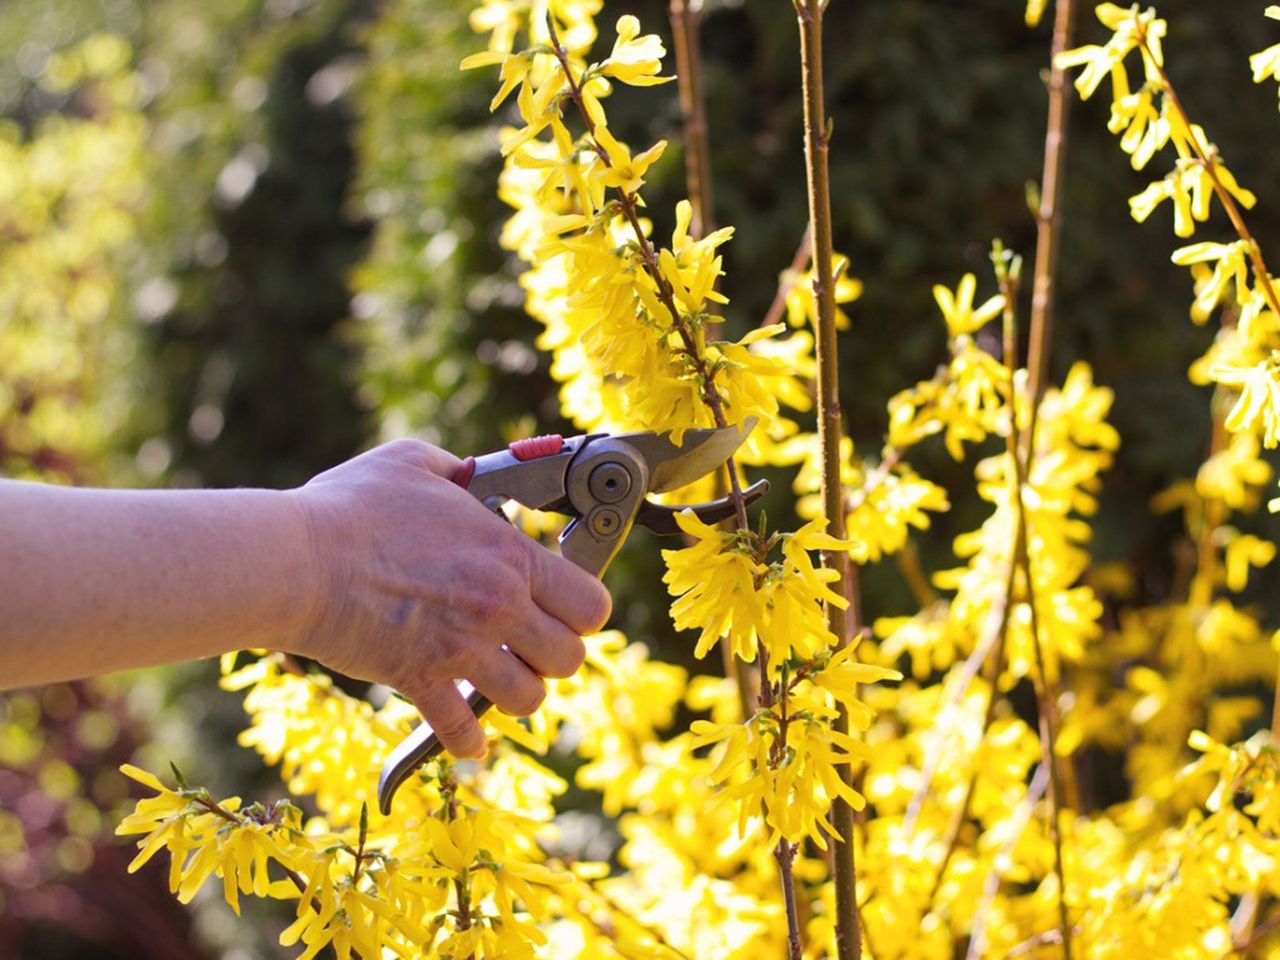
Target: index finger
[[567, 592]]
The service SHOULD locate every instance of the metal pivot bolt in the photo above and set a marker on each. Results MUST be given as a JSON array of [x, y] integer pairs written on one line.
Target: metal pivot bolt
[[605, 522], [609, 482]]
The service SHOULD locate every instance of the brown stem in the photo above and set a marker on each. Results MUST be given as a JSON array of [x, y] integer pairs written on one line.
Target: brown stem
[[1031, 944], [991, 675], [461, 886], [1263, 930], [630, 209], [785, 853], [908, 561], [789, 278], [1228, 202], [1046, 695], [617, 908], [1046, 687], [649, 259], [686, 16], [1049, 217], [464, 904], [991, 886], [988, 651], [889, 459], [1215, 511], [842, 625], [1048, 232], [296, 878], [1002, 607]]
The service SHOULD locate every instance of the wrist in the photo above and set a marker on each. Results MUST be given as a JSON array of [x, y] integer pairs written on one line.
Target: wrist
[[312, 577]]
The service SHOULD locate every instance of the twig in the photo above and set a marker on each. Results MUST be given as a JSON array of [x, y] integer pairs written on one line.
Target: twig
[[1215, 512], [1228, 202], [1047, 697], [998, 616], [461, 884], [908, 560], [618, 908], [1048, 219], [686, 16], [1046, 688], [630, 206], [817, 135], [1048, 232], [296, 878], [1260, 933], [1001, 609], [992, 677], [785, 854], [787, 281], [991, 886], [1039, 940]]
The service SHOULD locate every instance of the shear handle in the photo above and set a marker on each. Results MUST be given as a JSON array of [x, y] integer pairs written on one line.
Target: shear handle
[[534, 480], [419, 747]]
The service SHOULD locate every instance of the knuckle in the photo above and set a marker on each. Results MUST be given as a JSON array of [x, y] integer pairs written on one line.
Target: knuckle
[[577, 655], [420, 689], [407, 448], [451, 647], [527, 701], [568, 652], [604, 601], [595, 606], [512, 552], [459, 732], [492, 606]]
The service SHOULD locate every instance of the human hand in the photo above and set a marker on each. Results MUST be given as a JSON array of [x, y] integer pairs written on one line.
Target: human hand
[[420, 585]]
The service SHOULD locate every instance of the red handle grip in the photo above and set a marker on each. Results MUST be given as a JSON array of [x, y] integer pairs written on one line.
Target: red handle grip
[[530, 448]]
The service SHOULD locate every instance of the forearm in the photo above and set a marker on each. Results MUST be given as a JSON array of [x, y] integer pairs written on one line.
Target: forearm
[[100, 580]]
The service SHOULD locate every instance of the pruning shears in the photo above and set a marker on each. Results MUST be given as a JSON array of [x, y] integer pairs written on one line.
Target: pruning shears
[[600, 481]]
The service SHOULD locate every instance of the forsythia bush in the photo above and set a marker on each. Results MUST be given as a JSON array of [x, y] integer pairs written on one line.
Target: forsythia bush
[[972, 835]]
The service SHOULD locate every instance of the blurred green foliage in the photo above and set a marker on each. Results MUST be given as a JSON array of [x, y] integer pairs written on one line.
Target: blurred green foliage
[[70, 198], [267, 237]]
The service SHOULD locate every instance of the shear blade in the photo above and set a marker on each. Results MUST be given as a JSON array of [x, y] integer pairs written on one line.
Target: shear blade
[[672, 467], [661, 519]]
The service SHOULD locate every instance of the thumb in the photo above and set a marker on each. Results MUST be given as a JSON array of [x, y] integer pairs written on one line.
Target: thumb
[[422, 455]]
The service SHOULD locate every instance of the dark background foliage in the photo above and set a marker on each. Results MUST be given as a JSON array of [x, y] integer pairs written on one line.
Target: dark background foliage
[[321, 268]]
